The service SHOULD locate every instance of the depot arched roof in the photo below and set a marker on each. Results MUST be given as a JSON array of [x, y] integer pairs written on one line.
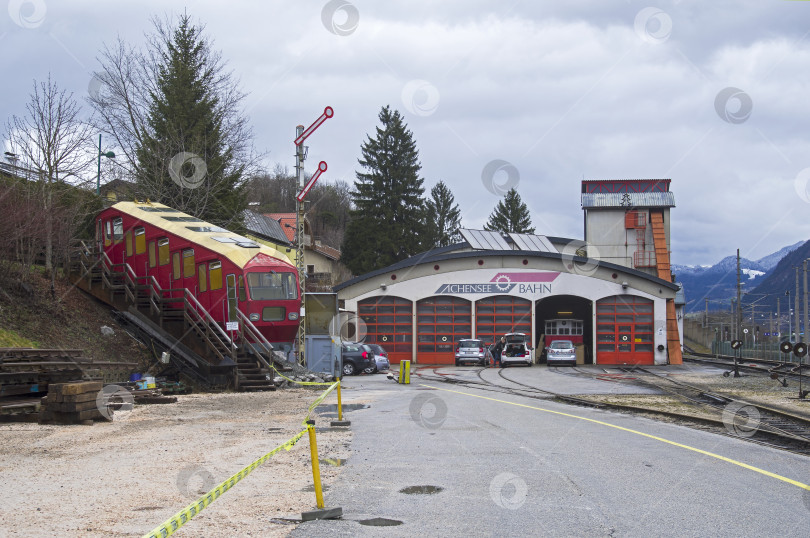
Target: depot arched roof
[[454, 252]]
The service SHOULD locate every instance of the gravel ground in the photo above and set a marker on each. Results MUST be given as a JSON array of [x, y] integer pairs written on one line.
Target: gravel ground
[[751, 387], [126, 477]]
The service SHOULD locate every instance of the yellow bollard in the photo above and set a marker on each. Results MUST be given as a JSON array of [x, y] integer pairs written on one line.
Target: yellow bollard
[[340, 407], [405, 372], [316, 469]]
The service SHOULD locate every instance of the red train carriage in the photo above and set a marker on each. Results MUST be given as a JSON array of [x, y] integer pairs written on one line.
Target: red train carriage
[[223, 270]]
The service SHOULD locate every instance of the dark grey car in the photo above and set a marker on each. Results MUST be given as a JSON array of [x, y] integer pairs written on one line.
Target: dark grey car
[[357, 358]]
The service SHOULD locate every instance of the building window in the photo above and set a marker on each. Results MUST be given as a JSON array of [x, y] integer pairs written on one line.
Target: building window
[[241, 287], [215, 275], [140, 240], [188, 263], [118, 229], [176, 272], [310, 269], [163, 251], [128, 243], [564, 327], [201, 280]]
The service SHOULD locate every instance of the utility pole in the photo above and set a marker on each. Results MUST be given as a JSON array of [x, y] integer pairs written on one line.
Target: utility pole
[[796, 310], [778, 319], [806, 320], [706, 322], [738, 320], [732, 325]]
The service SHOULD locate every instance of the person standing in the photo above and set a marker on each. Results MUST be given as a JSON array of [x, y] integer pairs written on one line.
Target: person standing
[[496, 352]]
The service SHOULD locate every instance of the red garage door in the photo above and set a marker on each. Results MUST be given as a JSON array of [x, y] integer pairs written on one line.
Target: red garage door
[[389, 322], [502, 314], [440, 323], [624, 330]]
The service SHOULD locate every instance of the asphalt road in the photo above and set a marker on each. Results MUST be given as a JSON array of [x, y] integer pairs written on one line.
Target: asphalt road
[[508, 465]]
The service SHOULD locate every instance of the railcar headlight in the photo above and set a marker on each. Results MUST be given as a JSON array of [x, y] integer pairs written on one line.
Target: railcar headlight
[[254, 317], [292, 316]]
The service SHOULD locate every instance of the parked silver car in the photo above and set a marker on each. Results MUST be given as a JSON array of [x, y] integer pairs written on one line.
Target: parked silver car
[[380, 358], [561, 352], [472, 351], [517, 350]]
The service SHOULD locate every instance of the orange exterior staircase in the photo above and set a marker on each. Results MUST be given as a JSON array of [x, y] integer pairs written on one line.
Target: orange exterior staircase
[[665, 273]]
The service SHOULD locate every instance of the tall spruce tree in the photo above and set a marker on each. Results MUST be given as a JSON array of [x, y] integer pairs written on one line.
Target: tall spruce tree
[[387, 222], [443, 217], [510, 215], [184, 158]]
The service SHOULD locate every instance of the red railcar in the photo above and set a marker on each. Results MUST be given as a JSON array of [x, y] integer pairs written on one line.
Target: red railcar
[[225, 271]]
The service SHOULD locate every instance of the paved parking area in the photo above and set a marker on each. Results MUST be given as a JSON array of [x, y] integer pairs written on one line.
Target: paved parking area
[[506, 465]]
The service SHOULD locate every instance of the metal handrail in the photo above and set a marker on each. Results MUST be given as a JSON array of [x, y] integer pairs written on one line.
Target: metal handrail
[[190, 302], [251, 331]]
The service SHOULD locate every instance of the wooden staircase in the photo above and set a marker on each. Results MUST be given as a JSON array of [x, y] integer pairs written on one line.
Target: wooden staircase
[[665, 273]]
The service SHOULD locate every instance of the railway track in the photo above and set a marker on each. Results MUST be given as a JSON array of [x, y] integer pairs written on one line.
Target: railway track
[[740, 419]]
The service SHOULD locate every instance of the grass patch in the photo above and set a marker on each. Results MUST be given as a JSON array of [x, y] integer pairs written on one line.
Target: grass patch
[[12, 339]]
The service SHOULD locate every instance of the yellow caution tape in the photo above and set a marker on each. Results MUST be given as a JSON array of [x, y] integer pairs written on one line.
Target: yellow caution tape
[[168, 527], [321, 398], [300, 382], [182, 517]]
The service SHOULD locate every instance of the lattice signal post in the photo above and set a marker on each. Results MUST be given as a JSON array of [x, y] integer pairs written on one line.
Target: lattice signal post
[[302, 134]]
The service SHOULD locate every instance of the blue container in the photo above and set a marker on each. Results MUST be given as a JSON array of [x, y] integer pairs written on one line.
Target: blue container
[[135, 377]]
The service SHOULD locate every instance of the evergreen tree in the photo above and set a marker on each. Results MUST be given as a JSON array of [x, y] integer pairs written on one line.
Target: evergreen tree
[[387, 222], [443, 217], [184, 158], [510, 215]]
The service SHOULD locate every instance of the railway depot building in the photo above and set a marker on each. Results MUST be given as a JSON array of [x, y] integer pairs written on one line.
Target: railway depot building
[[611, 294]]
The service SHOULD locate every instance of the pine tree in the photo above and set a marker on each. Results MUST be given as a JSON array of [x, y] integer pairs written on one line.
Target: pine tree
[[510, 215], [184, 159], [443, 217], [387, 222]]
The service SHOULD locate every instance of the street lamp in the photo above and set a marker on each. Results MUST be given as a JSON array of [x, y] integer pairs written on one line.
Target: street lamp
[[109, 155]]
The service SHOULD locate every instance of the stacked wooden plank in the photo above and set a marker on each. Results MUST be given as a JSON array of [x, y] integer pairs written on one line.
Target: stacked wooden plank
[[74, 403]]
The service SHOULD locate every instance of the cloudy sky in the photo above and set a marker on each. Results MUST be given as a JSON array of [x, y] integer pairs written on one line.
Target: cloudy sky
[[713, 95]]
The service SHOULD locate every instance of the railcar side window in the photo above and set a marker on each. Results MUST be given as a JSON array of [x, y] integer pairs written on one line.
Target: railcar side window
[[140, 240], [188, 263], [201, 280], [118, 229], [176, 266], [107, 233], [215, 275], [128, 242], [241, 287], [163, 251], [152, 254], [272, 285]]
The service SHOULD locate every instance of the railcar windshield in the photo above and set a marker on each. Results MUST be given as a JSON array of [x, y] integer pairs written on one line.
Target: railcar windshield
[[272, 285]]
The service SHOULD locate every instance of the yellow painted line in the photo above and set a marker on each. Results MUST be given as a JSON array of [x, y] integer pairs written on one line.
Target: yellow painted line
[[661, 439]]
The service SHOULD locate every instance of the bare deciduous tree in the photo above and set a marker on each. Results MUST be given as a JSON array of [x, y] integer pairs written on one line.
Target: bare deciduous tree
[[55, 145]]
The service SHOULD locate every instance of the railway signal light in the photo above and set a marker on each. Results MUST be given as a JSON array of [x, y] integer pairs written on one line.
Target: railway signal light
[[800, 349], [786, 347], [736, 345]]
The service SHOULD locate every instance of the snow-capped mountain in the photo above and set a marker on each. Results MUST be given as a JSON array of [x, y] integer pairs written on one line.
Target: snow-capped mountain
[[718, 282]]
